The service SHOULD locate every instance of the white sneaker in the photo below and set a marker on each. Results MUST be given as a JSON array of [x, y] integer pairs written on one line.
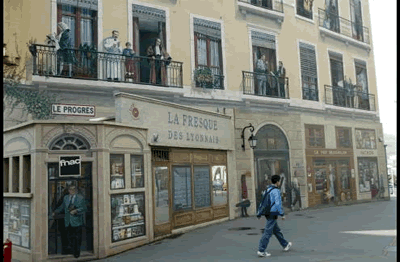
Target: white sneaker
[[288, 246], [263, 254]]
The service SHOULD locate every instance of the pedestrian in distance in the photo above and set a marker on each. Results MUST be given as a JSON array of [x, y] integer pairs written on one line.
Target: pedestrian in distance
[[271, 208]]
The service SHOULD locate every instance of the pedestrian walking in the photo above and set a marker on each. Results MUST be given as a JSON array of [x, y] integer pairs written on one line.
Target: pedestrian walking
[[271, 208]]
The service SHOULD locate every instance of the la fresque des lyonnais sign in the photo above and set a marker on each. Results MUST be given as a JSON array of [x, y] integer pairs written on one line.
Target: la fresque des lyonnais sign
[[175, 125], [70, 166]]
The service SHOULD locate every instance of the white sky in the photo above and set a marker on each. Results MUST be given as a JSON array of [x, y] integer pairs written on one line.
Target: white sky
[[384, 34]]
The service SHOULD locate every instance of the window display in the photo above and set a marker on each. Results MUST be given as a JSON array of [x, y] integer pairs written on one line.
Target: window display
[[343, 136], [16, 221], [117, 171], [219, 182], [320, 179], [137, 172], [182, 187], [202, 194], [365, 139], [315, 136], [368, 174], [127, 216]]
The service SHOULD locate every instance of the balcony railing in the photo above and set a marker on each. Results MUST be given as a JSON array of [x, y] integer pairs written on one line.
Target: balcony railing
[[83, 64], [340, 25], [276, 5], [212, 78], [351, 98], [260, 84]]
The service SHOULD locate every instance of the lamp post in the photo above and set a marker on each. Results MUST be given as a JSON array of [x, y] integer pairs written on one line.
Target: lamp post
[[252, 139]]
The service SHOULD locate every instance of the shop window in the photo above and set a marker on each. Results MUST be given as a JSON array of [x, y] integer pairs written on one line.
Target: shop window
[[368, 174], [16, 221], [208, 50], [304, 8], [6, 175], [117, 171], [219, 182], [315, 136], [26, 174], [15, 174], [320, 179], [137, 171], [343, 137], [69, 142], [309, 75], [82, 22], [202, 192], [365, 139], [182, 187], [127, 216], [161, 195]]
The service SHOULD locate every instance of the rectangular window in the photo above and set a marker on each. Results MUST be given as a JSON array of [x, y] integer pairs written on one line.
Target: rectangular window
[[137, 171], [117, 171], [82, 23], [356, 20], [15, 174], [208, 53], [309, 77], [304, 8], [219, 182], [343, 137], [127, 216], [315, 136], [202, 192], [16, 221], [6, 175], [161, 195], [368, 174], [336, 63], [26, 174], [362, 90], [182, 187], [365, 139]]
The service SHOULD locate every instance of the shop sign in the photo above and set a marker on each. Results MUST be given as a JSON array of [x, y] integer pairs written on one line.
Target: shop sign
[[331, 152], [73, 110], [367, 152], [70, 166]]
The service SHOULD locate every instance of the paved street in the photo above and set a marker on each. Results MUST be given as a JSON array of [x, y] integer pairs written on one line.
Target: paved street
[[362, 232]]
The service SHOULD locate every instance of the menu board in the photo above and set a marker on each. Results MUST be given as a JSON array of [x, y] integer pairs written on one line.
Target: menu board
[[127, 216], [16, 221], [202, 197], [182, 188]]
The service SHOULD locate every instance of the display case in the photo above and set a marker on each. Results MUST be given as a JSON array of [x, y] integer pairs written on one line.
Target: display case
[[137, 172], [16, 221], [127, 216], [117, 171]]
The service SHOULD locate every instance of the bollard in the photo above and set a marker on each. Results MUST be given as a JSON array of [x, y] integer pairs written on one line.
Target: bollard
[[7, 250]]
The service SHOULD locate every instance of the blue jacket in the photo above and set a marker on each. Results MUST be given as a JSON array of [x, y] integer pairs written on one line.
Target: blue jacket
[[276, 202], [80, 205]]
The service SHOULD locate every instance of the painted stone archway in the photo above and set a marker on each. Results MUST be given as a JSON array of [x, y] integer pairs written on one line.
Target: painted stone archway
[[271, 157]]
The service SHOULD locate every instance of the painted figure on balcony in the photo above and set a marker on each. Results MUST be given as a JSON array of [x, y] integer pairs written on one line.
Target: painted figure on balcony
[[349, 92], [112, 46], [157, 65], [262, 70], [129, 61], [281, 75]]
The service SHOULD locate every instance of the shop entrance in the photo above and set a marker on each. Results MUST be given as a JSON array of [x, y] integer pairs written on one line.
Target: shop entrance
[[58, 188], [271, 157]]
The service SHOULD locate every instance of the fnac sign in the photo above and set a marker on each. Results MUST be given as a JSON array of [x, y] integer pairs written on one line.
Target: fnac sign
[[70, 166]]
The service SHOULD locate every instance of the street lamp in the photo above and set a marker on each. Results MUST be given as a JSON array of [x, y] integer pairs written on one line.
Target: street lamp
[[252, 139]]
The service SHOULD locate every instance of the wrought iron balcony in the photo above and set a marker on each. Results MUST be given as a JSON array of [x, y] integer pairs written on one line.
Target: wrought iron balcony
[[260, 84], [276, 5], [209, 77], [342, 26], [93, 65], [351, 98]]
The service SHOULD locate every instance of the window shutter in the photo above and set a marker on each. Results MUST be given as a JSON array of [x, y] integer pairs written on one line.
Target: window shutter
[[308, 62]]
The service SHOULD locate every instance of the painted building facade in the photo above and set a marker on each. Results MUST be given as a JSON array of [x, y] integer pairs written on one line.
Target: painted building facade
[[157, 126]]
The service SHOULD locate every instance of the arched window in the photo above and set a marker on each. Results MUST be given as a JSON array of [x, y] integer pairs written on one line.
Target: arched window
[[70, 142], [271, 137]]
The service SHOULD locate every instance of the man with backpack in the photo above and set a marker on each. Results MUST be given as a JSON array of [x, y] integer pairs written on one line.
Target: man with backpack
[[271, 208]]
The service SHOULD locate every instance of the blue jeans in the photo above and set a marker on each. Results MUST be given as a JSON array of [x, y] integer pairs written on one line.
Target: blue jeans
[[271, 227]]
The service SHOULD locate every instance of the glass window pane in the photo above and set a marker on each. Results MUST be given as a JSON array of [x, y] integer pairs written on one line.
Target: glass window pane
[[161, 194], [127, 216], [368, 175], [70, 21], [182, 187], [16, 221], [137, 171], [86, 31], [117, 171], [202, 196], [320, 179], [220, 186]]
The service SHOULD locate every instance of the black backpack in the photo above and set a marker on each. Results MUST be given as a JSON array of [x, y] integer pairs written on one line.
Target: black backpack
[[265, 205]]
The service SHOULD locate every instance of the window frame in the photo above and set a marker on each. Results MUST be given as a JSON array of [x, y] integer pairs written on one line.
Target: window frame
[[311, 18], [338, 144], [208, 50], [363, 129], [308, 127], [302, 80]]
